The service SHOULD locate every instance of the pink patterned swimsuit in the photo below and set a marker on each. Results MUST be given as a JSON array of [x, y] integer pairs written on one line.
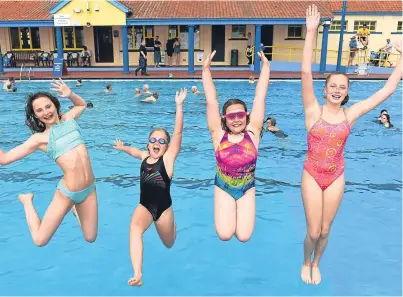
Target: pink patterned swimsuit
[[325, 160]]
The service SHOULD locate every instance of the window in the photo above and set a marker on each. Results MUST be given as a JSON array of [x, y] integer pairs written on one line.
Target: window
[[370, 24], [136, 33], [294, 31], [25, 38], [399, 26], [73, 38], [336, 26], [184, 36], [173, 31], [238, 31]]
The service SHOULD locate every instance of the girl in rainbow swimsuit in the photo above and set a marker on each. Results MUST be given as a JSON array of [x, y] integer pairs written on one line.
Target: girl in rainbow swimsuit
[[328, 127], [235, 137]]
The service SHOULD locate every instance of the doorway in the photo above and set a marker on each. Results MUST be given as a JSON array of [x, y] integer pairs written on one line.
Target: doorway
[[267, 40], [103, 40], [218, 42]]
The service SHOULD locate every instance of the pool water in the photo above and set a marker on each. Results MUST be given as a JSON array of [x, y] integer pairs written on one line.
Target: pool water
[[364, 255]]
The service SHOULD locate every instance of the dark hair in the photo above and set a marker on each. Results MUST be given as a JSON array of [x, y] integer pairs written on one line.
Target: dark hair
[[345, 100], [9, 87], [224, 109], [85, 48], [388, 118], [89, 104], [383, 110], [108, 86], [272, 120], [14, 89], [30, 119], [155, 95], [79, 80], [162, 130]]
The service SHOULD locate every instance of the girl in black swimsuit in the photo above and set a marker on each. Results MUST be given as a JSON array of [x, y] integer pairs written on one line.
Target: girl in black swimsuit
[[155, 182]]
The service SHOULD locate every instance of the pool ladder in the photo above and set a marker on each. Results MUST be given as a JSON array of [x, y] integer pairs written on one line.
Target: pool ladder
[[24, 73]]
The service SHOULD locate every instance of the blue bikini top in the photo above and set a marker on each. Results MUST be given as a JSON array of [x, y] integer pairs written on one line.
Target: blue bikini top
[[63, 138]]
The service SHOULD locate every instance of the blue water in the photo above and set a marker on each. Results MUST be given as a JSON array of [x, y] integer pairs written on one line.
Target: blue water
[[364, 255]]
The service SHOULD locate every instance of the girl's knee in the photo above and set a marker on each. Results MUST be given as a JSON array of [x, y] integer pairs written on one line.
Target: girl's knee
[[314, 234], [40, 240], [243, 237], [225, 235], [90, 237]]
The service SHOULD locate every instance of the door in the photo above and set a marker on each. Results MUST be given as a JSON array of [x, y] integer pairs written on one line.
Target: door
[[103, 40], [218, 42], [267, 40]]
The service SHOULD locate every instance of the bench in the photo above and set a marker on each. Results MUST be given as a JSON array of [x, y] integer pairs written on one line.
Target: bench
[[25, 57]]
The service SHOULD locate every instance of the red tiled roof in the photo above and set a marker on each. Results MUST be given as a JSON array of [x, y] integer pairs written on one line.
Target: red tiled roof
[[222, 8], [367, 6], [25, 10]]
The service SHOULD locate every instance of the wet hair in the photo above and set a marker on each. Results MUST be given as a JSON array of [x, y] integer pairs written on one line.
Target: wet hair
[[383, 110], [79, 80], [30, 119], [14, 89], [155, 95], [224, 109], [161, 130], [388, 118], [272, 120], [345, 100], [89, 104], [9, 87], [108, 87]]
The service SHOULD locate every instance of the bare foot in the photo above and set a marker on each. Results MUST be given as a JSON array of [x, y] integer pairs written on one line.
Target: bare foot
[[136, 281], [306, 273], [316, 277], [24, 198]]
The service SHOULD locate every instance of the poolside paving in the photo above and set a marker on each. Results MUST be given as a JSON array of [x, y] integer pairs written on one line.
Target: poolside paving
[[181, 74]]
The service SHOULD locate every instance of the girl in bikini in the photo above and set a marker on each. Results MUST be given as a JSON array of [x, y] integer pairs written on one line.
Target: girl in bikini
[[59, 136], [235, 137], [155, 181], [328, 127]]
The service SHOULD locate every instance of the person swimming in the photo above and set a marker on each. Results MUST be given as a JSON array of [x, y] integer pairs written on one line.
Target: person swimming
[[156, 172], [195, 90], [152, 98], [328, 127], [60, 137], [271, 127], [108, 88], [235, 136], [385, 120]]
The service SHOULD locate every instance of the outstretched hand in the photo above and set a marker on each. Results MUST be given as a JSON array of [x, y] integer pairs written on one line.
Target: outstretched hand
[[207, 62], [119, 145], [62, 88], [180, 96], [312, 17], [263, 58], [398, 46]]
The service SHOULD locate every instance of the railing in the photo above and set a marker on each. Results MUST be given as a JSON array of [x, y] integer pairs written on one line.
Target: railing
[[294, 54]]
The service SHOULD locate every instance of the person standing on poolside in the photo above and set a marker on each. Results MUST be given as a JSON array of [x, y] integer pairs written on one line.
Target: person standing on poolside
[[59, 136], [235, 135], [157, 169], [328, 126]]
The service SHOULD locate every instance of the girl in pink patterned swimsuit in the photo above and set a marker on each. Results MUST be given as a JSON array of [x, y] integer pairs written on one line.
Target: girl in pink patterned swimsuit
[[329, 126]]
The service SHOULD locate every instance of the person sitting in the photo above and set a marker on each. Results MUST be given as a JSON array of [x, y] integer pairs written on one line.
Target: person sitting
[[85, 57], [363, 36]]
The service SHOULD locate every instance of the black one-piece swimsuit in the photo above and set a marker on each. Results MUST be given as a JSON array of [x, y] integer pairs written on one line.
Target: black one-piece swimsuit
[[155, 188]]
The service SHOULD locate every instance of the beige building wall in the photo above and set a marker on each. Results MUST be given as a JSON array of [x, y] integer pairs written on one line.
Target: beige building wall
[[284, 49]]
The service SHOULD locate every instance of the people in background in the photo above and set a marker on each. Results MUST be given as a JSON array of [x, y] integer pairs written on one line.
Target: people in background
[[353, 50], [387, 50], [363, 35]]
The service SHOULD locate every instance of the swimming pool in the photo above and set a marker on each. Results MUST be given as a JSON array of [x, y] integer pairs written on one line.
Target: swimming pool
[[364, 255]]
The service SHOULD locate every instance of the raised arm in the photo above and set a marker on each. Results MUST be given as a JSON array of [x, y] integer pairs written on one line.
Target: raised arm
[[259, 103], [362, 107], [65, 92], [132, 151], [176, 141], [21, 151], [308, 96], [213, 111]]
